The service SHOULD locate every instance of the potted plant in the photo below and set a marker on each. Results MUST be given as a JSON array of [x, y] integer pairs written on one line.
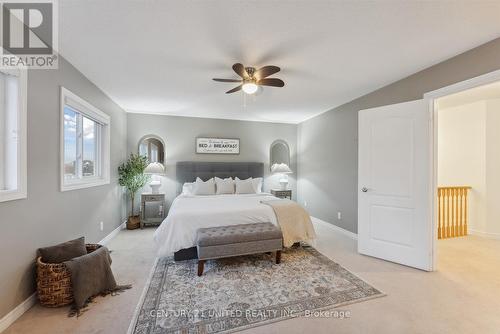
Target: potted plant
[[132, 177]]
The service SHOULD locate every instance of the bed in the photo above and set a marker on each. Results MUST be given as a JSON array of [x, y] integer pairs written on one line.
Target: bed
[[176, 234]]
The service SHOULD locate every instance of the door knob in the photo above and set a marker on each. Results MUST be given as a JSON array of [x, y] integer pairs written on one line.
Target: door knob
[[364, 189]]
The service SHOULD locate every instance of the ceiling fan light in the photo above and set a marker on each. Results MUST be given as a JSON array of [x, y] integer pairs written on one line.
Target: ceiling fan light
[[250, 88]]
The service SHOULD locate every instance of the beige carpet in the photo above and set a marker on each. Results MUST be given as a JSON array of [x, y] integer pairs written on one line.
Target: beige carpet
[[463, 296]]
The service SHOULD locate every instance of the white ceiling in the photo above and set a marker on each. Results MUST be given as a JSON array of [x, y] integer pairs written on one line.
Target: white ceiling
[[159, 56], [481, 93]]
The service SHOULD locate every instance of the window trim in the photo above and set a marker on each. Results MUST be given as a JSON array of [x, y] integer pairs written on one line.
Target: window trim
[[103, 143], [22, 144]]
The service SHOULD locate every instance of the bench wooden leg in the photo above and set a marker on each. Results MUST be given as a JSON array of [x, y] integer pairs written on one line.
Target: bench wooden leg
[[278, 257], [201, 264]]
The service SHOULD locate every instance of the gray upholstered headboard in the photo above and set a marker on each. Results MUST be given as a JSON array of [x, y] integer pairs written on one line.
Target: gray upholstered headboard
[[188, 171]]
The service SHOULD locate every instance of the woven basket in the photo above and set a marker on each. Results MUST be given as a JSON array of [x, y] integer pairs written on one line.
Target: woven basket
[[53, 281]]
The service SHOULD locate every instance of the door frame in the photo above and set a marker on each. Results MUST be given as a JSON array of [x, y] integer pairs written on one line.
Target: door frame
[[430, 99]]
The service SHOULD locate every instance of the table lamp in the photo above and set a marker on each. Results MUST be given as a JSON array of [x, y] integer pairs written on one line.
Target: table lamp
[[155, 169], [282, 169]]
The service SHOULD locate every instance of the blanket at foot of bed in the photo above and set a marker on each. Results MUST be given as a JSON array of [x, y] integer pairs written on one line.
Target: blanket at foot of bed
[[294, 221]]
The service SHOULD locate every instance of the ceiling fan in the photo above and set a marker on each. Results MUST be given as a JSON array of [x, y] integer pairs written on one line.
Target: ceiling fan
[[252, 78]]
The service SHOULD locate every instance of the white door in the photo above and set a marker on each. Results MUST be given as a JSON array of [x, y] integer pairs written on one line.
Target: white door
[[394, 200]]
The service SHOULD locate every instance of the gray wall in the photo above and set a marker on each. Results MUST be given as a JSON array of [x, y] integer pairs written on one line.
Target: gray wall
[[49, 216], [328, 144], [179, 134]]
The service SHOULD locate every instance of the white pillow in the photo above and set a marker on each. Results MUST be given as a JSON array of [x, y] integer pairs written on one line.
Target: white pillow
[[204, 188], [188, 188], [257, 184], [245, 186], [224, 186]]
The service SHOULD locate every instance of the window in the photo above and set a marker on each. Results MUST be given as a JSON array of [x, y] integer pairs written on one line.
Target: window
[[13, 180], [85, 143]]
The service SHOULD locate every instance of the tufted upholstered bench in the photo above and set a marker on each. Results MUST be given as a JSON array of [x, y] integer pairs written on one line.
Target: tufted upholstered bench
[[234, 240]]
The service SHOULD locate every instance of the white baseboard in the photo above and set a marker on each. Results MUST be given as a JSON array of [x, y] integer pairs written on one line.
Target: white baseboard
[[335, 228], [488, 235], [113, 234], [13, 315]]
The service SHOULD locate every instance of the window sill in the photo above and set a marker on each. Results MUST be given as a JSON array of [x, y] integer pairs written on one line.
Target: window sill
[[84, 184], [12, 195]]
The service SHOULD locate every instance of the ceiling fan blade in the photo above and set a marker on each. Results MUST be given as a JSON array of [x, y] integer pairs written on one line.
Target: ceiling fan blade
[[266, 71], [226, 80], [271, 82], [235, 89], [240, 70]]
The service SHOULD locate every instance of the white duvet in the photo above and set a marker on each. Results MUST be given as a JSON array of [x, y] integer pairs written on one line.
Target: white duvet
[[189, 213]]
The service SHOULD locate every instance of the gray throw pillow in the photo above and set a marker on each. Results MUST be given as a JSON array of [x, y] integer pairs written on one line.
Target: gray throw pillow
[[63, 252]]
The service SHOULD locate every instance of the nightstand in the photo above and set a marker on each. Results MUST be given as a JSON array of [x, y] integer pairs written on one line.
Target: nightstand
[[152, 209], [282, 193]]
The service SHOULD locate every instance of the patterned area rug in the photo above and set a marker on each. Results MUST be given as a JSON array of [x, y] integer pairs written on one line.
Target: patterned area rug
[[242, 292]]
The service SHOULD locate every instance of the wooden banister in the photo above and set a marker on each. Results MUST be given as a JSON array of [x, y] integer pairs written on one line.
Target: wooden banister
[[452, 211]]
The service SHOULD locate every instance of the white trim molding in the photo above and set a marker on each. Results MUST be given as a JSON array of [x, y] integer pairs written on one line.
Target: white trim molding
[[481, 80], [20, 309], [488, 235], [430, 98], [113, 234], [336, 228]]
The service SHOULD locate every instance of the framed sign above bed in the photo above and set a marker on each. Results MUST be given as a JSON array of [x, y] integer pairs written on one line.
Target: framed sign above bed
[[217, 145]]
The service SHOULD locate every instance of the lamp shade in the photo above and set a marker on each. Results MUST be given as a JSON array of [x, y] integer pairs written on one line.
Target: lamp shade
[[281, 168], [155, 168]]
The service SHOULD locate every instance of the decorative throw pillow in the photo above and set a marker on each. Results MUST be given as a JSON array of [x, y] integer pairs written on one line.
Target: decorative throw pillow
[[245, 186], [188, 188], [204, 188], [63, 252], [257, 184], [224, 186]]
